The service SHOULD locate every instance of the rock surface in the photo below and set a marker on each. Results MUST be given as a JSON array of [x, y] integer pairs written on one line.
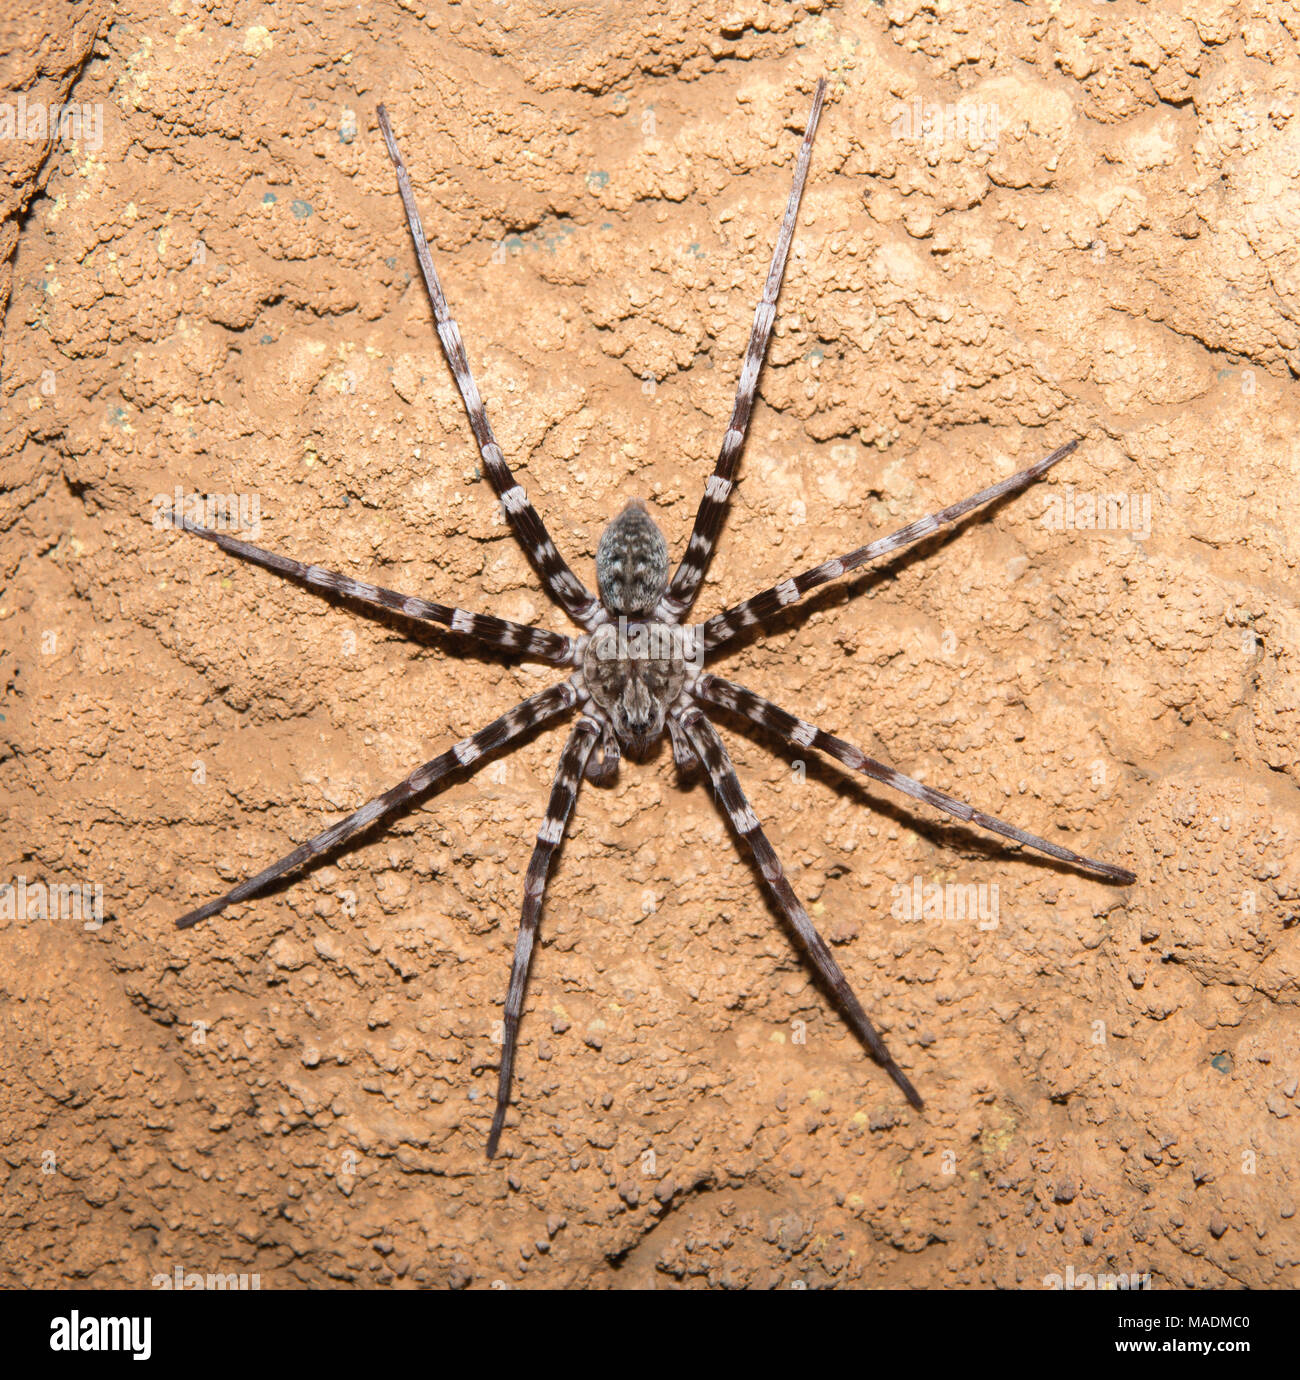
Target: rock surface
[[1023, 224]]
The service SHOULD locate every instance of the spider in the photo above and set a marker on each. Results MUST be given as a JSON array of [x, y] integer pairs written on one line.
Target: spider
[[636, 670]]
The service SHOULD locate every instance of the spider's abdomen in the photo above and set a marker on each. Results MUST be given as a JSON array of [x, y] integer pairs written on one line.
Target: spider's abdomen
[[632, 562], [635, 672]]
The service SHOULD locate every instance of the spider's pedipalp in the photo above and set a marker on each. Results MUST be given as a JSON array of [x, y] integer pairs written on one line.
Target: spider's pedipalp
[[717, 493], [564, 793], [713, 753], [730, 623], [727, 694], [513, 724], [525, 521], [602, 766], [684, 758], [501, 633]]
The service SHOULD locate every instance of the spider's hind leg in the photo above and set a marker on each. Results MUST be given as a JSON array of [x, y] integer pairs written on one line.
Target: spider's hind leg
[[564, 794], [708, 746]]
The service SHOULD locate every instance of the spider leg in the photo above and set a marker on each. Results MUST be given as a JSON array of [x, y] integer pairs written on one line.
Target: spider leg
[[724, 626], [496, 632], [717, 494], [513, 724], [704, 738], [525, 521], [728, 695], [564, 792]]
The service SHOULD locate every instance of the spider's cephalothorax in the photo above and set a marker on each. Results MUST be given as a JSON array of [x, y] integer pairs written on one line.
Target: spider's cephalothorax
[[634, 672], [634, 666], [637, 670]]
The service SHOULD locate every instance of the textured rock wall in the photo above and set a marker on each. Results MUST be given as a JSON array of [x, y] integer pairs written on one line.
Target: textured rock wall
[[1023, 224]]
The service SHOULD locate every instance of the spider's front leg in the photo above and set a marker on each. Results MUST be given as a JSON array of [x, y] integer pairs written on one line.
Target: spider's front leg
[[525, 521], [685, 584]]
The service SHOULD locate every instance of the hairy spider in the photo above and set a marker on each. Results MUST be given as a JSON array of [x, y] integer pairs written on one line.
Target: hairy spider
[[636, 668]]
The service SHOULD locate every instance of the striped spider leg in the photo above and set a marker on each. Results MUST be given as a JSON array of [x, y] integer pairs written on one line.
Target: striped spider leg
[[685, 584], [725, 626], [793, 730], [508, 729], [506, 636], [559, 810], [525, 521], [726, 784]]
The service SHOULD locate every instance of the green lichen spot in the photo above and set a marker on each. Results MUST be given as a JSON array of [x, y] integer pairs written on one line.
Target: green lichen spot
[[997, 1140]]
